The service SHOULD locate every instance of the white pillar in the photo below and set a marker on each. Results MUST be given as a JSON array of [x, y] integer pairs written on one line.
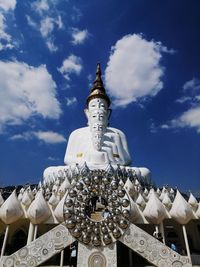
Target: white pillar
[[186, 242], [5, 240], [157, 228], [162, 232], [35, 232], [61, 258], [30, 233]]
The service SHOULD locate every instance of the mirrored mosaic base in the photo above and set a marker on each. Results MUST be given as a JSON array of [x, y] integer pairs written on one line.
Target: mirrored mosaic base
[[80, 209]]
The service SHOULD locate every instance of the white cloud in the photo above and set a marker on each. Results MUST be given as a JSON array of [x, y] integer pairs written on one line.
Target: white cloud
[[78, 36], [190, 118], [52, 47], [6, 46], [59, 22], [164, 126], [191, 98], [71, 101], [184, 99], [197, 97], [53, 158], [72, 64], [49, 21], [48, 137], [190, 93], [5, 38], [40, 6], [26, 91], [31, 22], [7, 5], [133, 70], [25, 136], [47, 26], [3, 34], [192, 86]]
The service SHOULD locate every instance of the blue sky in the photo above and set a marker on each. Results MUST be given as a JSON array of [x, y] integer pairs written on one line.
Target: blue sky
[[149, 53]]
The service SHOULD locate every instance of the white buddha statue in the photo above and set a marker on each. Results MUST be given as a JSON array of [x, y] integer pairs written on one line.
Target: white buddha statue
[[97, 144]]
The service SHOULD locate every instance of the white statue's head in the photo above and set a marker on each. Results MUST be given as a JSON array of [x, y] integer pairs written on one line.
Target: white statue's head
[[98, 115], [97, 110]]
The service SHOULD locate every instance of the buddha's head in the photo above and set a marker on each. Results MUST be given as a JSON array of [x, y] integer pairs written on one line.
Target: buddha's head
[[98, 111], [97, 114]]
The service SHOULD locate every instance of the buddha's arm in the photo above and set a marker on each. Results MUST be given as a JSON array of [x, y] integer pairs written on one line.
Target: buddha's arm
[[108, 148], [121, 142], [71, 147]]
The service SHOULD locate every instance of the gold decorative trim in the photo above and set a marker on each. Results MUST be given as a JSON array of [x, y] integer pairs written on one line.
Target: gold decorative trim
[[79, 155], [116, 155]]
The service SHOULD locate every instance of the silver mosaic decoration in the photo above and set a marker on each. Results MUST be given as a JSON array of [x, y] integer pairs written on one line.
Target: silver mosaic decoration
[[102, 185], [40, 250], [152, 250], [91, 256]]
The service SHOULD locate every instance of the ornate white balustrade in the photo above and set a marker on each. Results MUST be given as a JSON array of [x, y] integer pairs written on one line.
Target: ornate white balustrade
[[152, 250], [40, 250], [54, 241]]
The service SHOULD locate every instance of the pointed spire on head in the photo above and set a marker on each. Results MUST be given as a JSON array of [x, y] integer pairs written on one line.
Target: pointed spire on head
[[98, 81], [98, 90]]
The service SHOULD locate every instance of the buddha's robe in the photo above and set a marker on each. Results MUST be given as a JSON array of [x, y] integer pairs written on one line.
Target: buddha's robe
[[114, 148]]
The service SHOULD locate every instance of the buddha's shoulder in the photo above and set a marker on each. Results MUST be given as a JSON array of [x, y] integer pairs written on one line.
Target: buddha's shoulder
[[79, 131], [115, 131]]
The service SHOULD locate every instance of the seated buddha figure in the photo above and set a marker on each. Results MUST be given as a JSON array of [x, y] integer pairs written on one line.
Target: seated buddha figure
[[97, 144]]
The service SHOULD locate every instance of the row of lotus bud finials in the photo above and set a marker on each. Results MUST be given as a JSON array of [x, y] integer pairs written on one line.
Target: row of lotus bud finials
[[45, 203]]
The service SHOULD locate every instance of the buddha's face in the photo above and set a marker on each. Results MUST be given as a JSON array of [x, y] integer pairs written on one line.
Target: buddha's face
[[97, 114], [97, 103]]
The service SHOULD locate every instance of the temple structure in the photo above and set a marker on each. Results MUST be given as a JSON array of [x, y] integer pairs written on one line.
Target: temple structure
[[101, 203]]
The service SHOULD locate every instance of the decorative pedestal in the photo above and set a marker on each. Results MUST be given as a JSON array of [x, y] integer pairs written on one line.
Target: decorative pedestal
[[89, 256]]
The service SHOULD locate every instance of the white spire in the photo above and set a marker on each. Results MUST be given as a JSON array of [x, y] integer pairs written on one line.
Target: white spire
[[167, 201], [154, 210], [39, 210], [21, 192], [11, 209], [193, 201], [140, 201], [181, 210], [164, 190], [53, 201], [26, 198], [134, 211], [197, 213], [63, 188], [58, 212], [158, 191], [1, 199], [129, 187]]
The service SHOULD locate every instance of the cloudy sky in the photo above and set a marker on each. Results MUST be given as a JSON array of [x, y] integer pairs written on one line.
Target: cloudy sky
[[150, 58]]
